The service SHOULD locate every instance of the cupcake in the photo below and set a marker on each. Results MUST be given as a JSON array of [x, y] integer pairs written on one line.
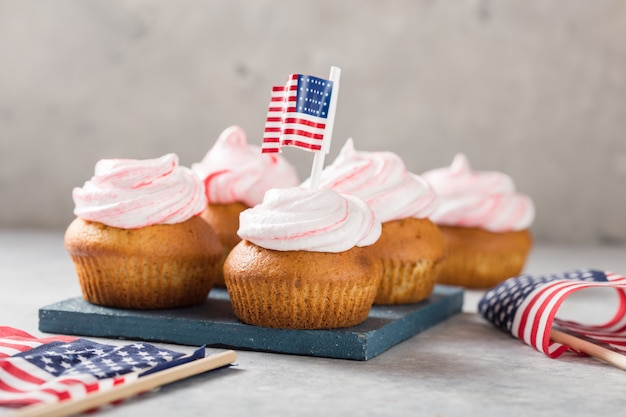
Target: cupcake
[[138, 241], [305, 261], [411, 246], [236, 176], [485, 223]]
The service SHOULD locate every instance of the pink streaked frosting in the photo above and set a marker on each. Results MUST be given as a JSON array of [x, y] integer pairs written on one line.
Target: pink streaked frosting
[[485, 199], [134, 193], [234, 171], [298, 218], [382, 180]]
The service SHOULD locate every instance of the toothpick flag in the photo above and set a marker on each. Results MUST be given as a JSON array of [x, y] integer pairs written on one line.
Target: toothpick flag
[[55, 369], [526, 307], [301, 113]]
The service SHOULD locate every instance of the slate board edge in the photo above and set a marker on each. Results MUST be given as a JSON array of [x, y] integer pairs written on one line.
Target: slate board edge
[[406, 327], [319, 343]]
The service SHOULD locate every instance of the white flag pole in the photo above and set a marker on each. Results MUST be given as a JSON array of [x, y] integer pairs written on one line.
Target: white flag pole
[[318, 159]]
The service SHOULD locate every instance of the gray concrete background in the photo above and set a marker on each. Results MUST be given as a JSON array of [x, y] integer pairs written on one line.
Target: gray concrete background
[[534, 88]]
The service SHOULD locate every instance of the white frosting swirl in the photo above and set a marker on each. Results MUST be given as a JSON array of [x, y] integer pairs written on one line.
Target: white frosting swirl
[[382, 180], [320, 220], [234, 171], [132, 193], [485, 199]]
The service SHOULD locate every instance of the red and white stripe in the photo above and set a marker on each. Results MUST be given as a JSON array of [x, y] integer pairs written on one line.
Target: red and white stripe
[[22, 383], [535, 316], [14, 341]]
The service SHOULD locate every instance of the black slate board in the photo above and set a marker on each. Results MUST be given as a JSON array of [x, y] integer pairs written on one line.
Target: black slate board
[[215, 325]]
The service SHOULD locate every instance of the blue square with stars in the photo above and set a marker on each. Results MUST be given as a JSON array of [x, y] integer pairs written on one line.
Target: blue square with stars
[[313, 96]]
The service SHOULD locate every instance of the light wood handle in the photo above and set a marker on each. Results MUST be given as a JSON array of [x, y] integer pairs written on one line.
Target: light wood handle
[[614, 358]]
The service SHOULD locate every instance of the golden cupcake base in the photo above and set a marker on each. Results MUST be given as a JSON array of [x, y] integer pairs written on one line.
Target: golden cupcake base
[[480, 259], [154, 267], [412, 251], [299, 289]]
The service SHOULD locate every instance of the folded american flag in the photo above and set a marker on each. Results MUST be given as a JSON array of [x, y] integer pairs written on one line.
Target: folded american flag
[[526, 307], [58, 368]]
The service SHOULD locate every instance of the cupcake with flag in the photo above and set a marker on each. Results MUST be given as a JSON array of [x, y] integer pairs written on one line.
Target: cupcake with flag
[[305, 260], [236, 176]]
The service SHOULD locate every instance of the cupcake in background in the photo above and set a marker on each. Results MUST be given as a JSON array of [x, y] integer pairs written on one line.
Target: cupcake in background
[[304, 261], [485, 222], [411, 246], [236, 176], [138, 241]]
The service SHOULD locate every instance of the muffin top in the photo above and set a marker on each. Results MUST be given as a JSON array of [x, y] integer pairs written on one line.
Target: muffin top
[[234, 171], [485, 199], [382, 180], [298, 218], [134, 193]]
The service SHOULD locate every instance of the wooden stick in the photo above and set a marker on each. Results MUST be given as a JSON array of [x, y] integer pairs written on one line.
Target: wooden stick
[[607, 355], [143, 384]]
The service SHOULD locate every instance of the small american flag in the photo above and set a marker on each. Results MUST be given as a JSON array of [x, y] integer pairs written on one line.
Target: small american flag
[[299, 114], [526, 307], [60, 368]]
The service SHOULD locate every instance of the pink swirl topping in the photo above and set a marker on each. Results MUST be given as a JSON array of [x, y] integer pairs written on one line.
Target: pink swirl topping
[[382, 180], [485, 199], [234, 171], [132, 193], [322, 220]]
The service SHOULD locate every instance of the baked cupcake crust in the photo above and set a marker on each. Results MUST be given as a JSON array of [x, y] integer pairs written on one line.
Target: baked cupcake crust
[[153, 267], [301, 289], [412, 251], [224, 218], [479, 259]]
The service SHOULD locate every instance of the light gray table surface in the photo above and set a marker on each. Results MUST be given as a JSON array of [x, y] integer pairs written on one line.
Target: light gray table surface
[[461, 367]]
